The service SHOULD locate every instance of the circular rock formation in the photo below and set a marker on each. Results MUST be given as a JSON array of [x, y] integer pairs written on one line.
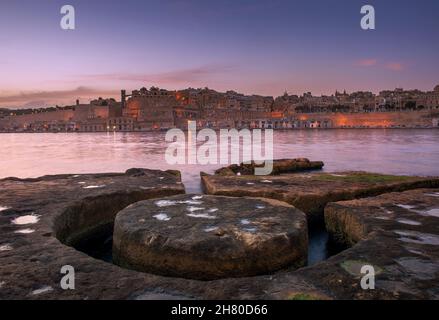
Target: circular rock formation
[[210, 237]]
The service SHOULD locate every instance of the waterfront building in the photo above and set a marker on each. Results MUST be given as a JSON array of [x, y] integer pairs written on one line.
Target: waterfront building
[[92, 125], [151, 109], [160, 109], [431, 99], [120, 124]]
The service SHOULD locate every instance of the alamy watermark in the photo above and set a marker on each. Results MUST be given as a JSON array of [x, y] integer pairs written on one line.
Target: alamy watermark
[[232, 146], [368, 20], [68, 17], [68, 281], [368, 280]]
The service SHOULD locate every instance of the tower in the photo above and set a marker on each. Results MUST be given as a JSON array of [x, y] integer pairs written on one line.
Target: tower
[[123, 96]]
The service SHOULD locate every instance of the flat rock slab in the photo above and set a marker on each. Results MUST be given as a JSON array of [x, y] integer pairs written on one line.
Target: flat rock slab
[[210, 237], [397, 234], [310, 192], [279, 166]]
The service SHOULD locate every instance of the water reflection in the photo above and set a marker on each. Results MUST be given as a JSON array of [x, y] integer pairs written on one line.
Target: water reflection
[[386, 151]]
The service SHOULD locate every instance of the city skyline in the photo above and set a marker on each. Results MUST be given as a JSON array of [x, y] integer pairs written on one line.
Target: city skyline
[[253, 47], [116, 94]]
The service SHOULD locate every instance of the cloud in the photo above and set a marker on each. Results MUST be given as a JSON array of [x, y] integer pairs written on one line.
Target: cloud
[[35, 104], [395, 66], [199, 75], [176, 77], [366, 62], [47, 98]]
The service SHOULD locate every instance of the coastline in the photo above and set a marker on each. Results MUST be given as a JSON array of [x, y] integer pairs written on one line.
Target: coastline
[[280, 130]]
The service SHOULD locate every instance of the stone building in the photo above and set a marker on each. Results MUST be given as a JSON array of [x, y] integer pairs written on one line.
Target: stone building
[[36, 121], [151, 109], [430, 100], [92, 125], [120, 124]]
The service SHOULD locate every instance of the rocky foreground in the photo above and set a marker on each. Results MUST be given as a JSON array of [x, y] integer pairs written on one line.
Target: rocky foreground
[[394, 230]]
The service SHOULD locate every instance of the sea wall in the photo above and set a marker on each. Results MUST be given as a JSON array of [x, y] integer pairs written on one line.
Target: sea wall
[[408, 119], [20, 120]]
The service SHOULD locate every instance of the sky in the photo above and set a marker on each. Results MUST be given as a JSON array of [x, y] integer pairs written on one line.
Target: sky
[[262, 47]]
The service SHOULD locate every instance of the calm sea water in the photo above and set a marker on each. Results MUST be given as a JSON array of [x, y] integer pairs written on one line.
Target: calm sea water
[[414, 152]]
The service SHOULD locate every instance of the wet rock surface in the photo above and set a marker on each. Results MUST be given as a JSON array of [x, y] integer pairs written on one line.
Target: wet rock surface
[[210, 237], [310, 192], [279, 166]]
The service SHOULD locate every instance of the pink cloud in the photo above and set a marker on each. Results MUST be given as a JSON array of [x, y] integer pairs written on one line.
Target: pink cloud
[[395, 66], [50, 98], [171, 77], [366, 62]]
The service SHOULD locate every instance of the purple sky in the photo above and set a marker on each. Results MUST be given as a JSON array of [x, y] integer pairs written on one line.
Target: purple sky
[[252, 46]]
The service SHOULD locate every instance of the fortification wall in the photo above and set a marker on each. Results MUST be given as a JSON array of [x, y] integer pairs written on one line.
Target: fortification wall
[[25, 119], [410, 119]]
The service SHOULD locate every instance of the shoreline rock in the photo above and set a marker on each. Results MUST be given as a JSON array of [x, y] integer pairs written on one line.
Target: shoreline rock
[[310, 192], [279, 166]]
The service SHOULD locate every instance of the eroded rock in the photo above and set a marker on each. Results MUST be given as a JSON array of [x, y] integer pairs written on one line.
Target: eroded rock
[[219, 237], [405, 255], [39, 213], [279, 166], [310, 192]]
